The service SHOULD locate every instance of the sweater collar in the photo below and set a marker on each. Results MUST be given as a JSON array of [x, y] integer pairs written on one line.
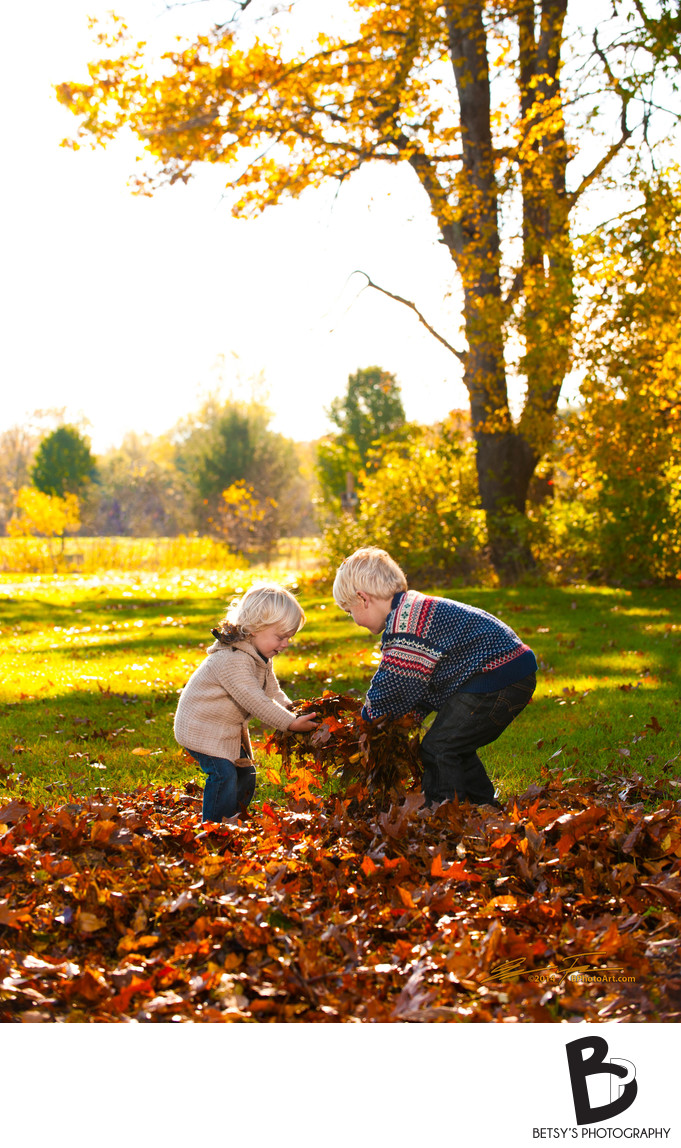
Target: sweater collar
[[244, 645]]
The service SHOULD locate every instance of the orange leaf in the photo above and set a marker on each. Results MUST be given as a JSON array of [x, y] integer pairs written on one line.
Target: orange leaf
[[565, 844], [140, 751], [57, 867], [406, 897], [457, 870], [368, 866], [507, 902], [15, 918], [122, 999]]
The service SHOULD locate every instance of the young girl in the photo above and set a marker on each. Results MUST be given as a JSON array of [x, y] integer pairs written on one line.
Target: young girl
[[233, 683]]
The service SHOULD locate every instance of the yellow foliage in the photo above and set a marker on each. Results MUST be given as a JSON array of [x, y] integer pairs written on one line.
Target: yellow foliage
[[620, 464], [246, 521], [418, 500], [241, 501], [43, 515]]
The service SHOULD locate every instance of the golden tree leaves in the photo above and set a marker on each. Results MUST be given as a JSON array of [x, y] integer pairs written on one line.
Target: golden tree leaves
[[43, 514]]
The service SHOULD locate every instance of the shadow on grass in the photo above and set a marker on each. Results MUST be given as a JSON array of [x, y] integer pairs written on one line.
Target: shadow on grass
[[80, 740], [40, 613]]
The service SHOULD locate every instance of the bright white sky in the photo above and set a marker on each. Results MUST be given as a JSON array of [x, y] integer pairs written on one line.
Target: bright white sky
[[125, 309]]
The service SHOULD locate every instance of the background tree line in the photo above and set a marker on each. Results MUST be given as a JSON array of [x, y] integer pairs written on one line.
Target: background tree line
[[222, 471], [605, 505]]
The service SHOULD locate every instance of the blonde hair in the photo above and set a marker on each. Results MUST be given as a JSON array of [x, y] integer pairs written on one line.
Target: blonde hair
[[263, 605], [370, 570]]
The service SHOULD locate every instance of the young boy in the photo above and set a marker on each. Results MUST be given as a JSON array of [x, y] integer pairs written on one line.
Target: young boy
[[438, 654]]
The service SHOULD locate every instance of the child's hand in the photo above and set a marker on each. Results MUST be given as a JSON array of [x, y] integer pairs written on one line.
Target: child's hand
[[303, 723]]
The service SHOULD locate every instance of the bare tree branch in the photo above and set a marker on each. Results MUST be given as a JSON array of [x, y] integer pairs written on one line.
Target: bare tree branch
[[461, 355], [625, 130], [654, 27], [514, 290]]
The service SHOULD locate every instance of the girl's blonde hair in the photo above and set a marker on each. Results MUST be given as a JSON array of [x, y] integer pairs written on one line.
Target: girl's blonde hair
[[370, 570], [263, 605]]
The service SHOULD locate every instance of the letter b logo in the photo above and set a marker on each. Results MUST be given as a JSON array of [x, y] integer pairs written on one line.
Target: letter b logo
[[624, 1089]]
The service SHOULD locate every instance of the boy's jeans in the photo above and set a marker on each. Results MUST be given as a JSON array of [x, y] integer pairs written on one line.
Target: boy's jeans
[[228, 788], [451, 766]]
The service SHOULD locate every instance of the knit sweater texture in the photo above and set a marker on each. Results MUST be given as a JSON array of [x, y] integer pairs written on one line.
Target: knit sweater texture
[[431, 647], [232, 684]]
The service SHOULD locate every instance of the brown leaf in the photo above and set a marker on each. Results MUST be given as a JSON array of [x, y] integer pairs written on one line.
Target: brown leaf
[[101, 831], [15, 811], [90, 986]]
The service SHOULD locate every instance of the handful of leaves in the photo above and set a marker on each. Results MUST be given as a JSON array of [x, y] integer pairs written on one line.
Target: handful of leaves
[[381, 754]]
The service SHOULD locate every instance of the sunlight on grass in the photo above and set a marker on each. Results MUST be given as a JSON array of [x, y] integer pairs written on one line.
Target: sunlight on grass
[[91, 666]]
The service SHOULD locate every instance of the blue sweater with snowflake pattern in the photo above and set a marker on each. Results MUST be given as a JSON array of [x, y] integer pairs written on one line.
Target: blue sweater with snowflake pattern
[[435, 647]]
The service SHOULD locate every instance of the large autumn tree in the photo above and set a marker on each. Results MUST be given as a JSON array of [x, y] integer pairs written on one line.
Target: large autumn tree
[[470, 95]]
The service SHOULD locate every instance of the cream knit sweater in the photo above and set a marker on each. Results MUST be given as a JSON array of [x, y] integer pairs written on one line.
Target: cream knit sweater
[[232, 684]]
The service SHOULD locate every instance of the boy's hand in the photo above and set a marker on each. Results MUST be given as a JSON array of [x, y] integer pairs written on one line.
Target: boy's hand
[[303, 723]]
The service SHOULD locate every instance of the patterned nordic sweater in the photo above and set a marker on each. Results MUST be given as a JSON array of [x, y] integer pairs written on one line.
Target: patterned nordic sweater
[[433, 647]]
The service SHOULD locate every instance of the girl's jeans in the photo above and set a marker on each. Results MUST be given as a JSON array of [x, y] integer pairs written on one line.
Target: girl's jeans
[[451, 766], [229, 788]]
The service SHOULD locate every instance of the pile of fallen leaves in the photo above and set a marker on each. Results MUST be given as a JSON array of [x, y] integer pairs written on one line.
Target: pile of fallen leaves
[[128, 909], [382, 754]]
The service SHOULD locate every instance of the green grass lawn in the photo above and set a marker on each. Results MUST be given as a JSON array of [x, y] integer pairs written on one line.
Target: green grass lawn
[[90, 667]]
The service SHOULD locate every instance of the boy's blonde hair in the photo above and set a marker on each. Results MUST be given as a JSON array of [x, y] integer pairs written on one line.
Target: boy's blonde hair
[[263, 605], [370, 570]]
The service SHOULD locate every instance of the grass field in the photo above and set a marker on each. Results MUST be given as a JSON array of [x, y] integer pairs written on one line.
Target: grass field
[[96, 555], [91, 665]]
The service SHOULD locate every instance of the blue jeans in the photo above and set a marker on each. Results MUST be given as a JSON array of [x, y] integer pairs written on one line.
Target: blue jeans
[[229, 788], [451, 766]]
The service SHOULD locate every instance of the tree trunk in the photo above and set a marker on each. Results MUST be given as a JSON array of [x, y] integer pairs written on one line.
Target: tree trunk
[[505, 461], [505, 466], [547, 262], [507, 455]]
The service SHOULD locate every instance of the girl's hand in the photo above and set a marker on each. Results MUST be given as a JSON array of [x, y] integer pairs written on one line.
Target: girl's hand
[[303, 723]]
